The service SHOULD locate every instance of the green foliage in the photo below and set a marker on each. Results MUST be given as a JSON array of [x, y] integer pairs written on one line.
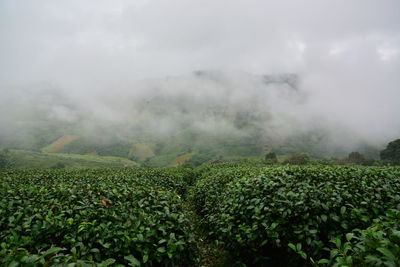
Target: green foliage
[[58, 165], [270, 158], [298, 159], [3, 159], [86, 145], [251, 213], [198, 159], [28, 159], [134, 217], [160, 161], [378, 245], [313, 142], [256, 213], [211, 183], [392, 152], [358, 158]]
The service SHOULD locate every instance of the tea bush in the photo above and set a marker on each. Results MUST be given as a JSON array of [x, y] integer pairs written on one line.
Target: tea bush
[[102, 217], [378, 245], [257, 214], [275, 216], [211, 181]]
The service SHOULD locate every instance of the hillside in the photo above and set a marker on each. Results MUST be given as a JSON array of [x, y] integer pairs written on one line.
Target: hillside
[[156, 121], [59, 144], [29, 159]]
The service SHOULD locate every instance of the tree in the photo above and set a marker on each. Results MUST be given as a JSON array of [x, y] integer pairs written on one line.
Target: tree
[[58, 165], [356, 157], [392, 152], [271, 158], [298, 159], [3, 160]]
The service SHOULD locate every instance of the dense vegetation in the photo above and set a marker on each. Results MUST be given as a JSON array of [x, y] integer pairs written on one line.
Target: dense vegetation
[[392, 152], [251, 213], [37, 160], [256, 213], [107, 216], [378, 245]]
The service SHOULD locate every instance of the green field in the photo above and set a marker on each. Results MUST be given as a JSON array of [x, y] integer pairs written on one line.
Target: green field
[[230, 214], [37, 160]]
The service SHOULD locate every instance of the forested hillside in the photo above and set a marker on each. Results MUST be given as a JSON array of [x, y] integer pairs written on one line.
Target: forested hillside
[[234, 115]]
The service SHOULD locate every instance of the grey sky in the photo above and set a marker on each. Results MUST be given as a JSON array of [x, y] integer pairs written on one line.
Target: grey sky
[[347, 52]]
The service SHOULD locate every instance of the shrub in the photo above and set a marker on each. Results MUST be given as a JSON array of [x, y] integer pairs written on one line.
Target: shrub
[[378, 245], [270, 158], [298, 159], [356, 157], [95, 217], [4, 161], [58, 165], [211, 183], [258, 214]]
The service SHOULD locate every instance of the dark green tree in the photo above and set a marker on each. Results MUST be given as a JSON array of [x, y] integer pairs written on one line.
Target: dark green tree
[[271, 158], [356, 158], [58, 165], [3, 160], [392, 152], [298, 159]]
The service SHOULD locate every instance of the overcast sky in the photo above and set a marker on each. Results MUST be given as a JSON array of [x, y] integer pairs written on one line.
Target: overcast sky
[[347, 52]]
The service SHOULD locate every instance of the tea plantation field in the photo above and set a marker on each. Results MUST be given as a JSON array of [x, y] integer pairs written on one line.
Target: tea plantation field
[[252, 216], [130, 217]]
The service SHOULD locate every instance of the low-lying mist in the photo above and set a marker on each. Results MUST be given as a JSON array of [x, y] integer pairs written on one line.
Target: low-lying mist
[[270, 110], [288, 77]]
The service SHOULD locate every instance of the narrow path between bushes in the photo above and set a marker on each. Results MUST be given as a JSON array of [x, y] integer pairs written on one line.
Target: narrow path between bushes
[[210, 254]]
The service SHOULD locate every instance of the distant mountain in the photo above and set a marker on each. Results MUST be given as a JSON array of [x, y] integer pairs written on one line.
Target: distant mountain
[[206, 114]]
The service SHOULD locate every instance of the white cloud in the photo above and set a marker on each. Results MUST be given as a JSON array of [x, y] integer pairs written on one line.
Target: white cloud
[[345, 51], [388, 52]]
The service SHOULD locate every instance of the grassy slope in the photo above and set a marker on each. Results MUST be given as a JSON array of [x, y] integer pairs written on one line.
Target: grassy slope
[[161, 160], [28, 159], [59, 144], [143, 151], [181, 160]]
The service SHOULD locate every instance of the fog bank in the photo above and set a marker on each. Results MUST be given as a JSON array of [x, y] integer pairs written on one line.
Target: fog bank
[[169, 65]]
